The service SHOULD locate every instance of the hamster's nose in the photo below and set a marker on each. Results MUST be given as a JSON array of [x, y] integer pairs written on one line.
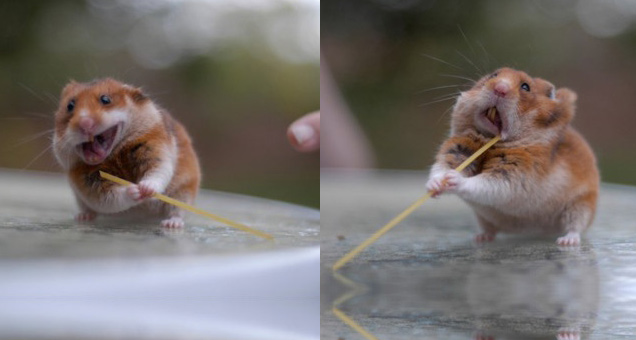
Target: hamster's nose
[[87, 125], [501, 89]]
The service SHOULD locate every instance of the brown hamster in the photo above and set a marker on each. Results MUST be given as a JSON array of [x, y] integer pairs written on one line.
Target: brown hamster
[[110, 126], [542, 175]]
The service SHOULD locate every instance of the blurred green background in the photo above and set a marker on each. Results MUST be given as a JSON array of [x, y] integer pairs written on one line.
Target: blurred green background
[[236, 73], [382, 55]]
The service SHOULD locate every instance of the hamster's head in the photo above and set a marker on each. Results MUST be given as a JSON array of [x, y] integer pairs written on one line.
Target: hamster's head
[[525, 107], [93, 118]]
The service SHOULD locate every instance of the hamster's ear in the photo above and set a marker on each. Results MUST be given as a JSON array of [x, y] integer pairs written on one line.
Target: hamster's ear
[[566, 104], [566, 96], [137, 94], [562, 112], [550, 90], [70, 87]]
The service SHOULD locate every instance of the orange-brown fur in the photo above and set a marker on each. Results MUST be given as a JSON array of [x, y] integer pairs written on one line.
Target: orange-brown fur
[[140, 151], [541, 176]]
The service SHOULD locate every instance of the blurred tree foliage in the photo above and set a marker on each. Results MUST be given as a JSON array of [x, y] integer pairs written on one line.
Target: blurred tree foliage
[[389, 57], [235, 93]]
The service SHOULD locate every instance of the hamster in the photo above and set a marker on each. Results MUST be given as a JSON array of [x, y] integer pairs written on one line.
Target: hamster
[[114, 127], [541, 177]]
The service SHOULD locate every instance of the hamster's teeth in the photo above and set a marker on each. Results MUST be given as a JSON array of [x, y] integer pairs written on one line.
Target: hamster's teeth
[[491, 113], [91, 138]]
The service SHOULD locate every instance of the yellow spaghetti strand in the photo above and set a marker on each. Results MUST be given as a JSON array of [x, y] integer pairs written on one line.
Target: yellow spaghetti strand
[[408, 210], [349, 321], [478, 153], [190, 208], [355, 289]]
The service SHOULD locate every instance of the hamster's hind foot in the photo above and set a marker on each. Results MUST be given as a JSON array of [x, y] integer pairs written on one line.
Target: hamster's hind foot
[[85, 216], [568, 334], [173, 223], [485, 237], [482, 336], [572, 238]]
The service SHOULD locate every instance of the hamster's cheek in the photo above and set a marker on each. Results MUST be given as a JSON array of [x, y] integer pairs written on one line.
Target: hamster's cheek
[[471, 97], [467, 104]]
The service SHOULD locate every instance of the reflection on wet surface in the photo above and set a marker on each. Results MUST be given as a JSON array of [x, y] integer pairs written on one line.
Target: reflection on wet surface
[[427, 280]]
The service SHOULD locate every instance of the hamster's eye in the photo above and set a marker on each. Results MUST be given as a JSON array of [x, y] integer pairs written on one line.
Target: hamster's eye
[[70, 106], [525, 87], [494, 75], [105, 99]]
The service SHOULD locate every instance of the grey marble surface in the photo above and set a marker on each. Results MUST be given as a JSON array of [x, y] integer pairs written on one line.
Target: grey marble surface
[[36, 221], [132, 279], [426, 279]]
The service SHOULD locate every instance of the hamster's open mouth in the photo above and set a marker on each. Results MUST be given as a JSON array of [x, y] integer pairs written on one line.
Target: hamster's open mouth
[[99, 147], [493, 119]]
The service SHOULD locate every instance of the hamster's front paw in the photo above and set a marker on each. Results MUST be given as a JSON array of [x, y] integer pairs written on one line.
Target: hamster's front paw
[[147, 189], [141, 191], [453, 181], [133, 192], [435, 185]]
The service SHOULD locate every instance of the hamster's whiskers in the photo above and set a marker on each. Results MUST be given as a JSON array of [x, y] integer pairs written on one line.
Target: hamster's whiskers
[[442, 61], [458, 77], [33, 137], [38, 156], [443, 98], [437, 88]]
